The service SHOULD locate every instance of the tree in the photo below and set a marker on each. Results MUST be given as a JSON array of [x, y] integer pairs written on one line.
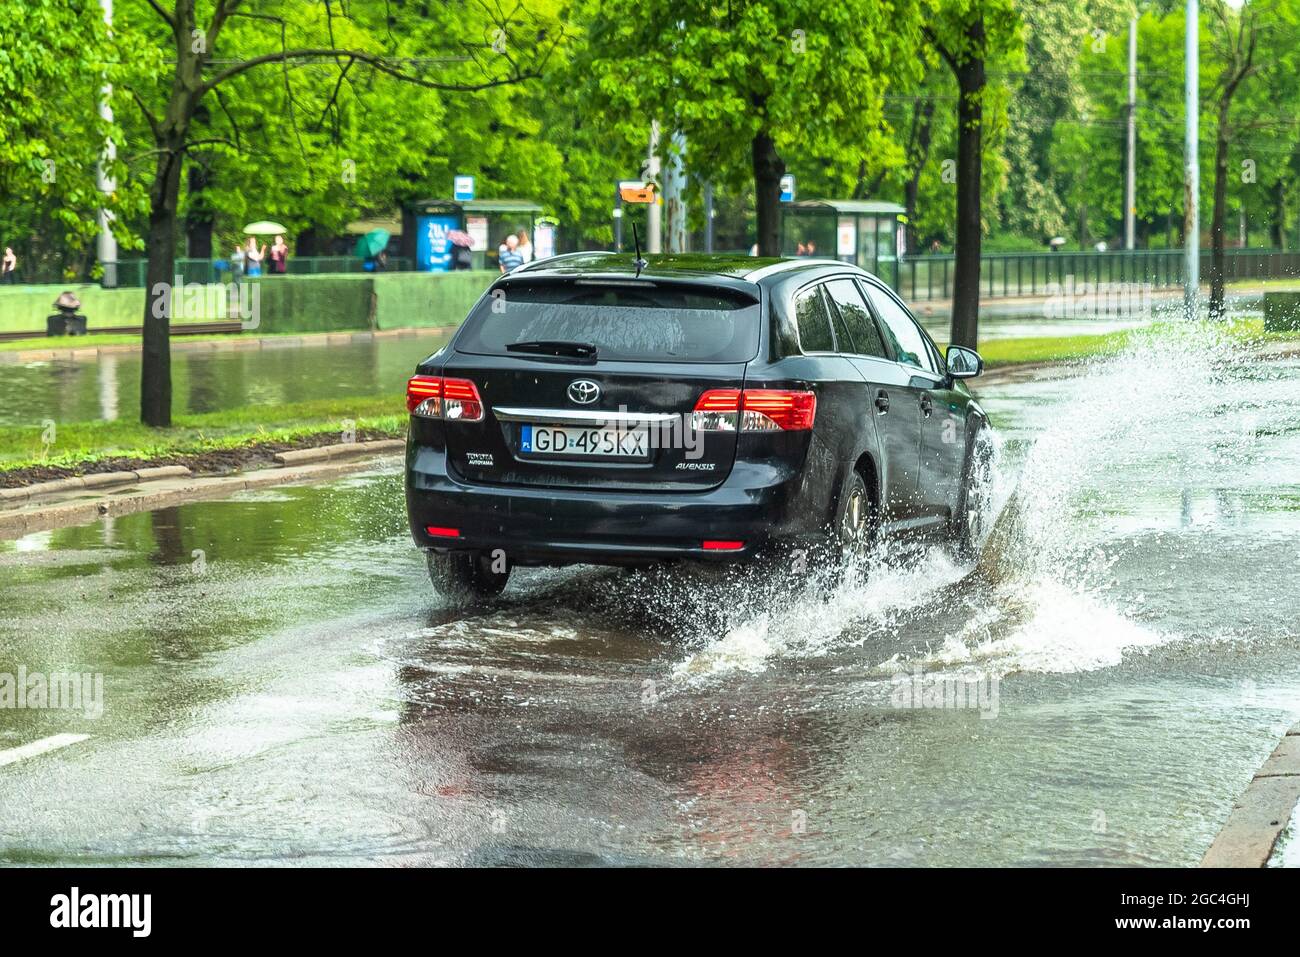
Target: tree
[[1254, 49], [752, 82], [478, 47], [967, 34], [54, 59]]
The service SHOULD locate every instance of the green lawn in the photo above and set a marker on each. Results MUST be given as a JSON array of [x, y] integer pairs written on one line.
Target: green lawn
[[81, 443], [1010, 352]]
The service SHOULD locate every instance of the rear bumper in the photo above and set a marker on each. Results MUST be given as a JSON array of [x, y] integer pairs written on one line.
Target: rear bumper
[[759, 502]]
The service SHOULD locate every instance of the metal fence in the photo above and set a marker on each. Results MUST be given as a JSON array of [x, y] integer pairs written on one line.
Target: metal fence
[[916, 278], [131, 272], [1044, 274]]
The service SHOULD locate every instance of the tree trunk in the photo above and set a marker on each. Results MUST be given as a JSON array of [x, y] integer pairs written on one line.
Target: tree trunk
[[970, 151], [1277, 231], [1219, 215], [768, 170], [170, 132], [155, 365], [198, 218]]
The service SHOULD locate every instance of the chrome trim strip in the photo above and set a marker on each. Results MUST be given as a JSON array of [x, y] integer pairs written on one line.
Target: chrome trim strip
[[579, 416]]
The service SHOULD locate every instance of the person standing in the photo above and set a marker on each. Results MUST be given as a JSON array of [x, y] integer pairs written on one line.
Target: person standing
[[254, 257], [525, 246], [279, 257], [508, 255], [9, 266]]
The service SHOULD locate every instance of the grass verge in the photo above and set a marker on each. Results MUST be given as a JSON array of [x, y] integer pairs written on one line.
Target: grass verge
[[79, 447]]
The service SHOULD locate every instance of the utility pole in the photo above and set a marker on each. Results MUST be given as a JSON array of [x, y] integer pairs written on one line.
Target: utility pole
[[106, 247], [653, 228], [1191, 165], [1130, 176]]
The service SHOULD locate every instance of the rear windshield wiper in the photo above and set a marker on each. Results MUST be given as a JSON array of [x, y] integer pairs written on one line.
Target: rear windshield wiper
[[555, 347]]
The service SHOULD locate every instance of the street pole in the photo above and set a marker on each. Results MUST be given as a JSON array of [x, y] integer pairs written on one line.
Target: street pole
[[708, 217], [653, 227], [1191, 165], [106, 246], [1130, 177], [618, 220]]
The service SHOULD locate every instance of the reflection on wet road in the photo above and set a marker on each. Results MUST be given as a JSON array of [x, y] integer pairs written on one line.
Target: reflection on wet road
[[282, 371], [281, 684]]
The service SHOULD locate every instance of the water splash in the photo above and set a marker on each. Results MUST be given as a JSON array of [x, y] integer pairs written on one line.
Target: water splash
[[1038, 596]]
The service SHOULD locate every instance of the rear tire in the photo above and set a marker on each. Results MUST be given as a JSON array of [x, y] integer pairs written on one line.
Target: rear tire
[[853, 518], [466, 577], [853, 530]]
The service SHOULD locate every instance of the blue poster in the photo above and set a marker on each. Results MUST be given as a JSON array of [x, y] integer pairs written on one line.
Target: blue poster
[[432, 247]]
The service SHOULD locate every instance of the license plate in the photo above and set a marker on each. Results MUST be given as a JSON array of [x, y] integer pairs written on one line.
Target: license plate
[[596, 443]]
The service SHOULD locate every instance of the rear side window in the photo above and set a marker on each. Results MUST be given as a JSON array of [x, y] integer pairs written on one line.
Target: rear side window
[[900, 328], [814, 321], [637, 322], [854, 327]]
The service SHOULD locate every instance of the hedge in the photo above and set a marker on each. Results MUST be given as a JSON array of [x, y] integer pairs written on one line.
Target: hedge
[[1281, 311], [308, 303]]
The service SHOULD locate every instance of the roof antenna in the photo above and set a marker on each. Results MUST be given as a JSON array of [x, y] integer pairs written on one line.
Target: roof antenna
[[639, 262]]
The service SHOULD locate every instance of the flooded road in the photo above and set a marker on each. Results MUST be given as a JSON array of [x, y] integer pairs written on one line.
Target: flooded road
[[281, 685]]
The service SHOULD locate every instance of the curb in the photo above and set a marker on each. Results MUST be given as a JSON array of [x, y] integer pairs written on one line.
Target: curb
[[18, 523], [346, 450], [1262, 812], [77, 483]]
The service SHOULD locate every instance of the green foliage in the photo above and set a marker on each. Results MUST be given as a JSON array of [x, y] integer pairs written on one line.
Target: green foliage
[[811, 75], [55, 56]]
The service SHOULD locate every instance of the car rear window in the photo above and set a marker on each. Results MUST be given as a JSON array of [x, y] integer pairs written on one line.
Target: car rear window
[[641, 322]]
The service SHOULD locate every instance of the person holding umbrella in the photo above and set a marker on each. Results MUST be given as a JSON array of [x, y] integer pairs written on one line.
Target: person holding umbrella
[[253, 255], [370, 247], [462, 244]]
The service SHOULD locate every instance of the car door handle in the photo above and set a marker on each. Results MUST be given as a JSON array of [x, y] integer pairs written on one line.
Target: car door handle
[[927, 404], [882, 402]]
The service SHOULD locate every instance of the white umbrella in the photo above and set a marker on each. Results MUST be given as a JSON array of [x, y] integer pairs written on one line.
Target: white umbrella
[[264, 227]]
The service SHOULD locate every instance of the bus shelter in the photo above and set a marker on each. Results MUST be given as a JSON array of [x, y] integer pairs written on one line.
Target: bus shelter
[[866, 232], [426, 223]]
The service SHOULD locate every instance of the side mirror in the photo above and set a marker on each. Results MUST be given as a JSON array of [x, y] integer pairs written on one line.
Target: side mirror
[[963, 363]]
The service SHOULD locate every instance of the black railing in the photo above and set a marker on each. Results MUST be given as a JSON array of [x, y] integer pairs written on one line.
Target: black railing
[[132, 272], [1044, 274]]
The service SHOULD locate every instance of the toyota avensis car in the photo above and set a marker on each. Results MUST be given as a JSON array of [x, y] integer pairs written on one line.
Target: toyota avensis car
[[603, 409]]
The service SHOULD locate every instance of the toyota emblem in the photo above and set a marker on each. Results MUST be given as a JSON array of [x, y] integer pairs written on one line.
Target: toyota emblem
[[584, 391]]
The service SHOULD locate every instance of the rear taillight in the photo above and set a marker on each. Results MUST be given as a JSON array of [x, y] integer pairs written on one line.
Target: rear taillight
[[769, 410], [754, 410], [434, 397]]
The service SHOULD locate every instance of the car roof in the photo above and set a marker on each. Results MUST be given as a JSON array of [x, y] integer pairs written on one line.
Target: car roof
[[726, 268]]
